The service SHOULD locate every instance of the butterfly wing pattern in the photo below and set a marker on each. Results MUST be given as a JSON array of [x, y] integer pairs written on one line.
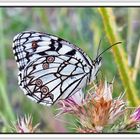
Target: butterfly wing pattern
[[50, 68]]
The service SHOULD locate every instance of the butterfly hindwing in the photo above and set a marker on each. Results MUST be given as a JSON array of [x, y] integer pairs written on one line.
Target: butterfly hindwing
[[50, 78]]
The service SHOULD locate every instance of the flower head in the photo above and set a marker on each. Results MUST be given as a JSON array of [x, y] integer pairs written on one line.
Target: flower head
[[72, 104], [96, 109], [135, 117], [133, 121], [24, 125]]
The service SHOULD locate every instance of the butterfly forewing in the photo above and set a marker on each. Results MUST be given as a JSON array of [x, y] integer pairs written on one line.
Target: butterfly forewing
[[29, 45], [50, 68]]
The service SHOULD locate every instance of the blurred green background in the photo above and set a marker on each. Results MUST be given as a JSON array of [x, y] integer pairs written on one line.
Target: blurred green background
[[82, 27]]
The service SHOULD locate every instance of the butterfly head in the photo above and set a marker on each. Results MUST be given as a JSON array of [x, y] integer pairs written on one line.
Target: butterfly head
[[97, 62], [96, 66]]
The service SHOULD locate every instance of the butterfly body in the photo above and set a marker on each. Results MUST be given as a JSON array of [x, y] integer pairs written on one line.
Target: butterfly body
[[51, 68]]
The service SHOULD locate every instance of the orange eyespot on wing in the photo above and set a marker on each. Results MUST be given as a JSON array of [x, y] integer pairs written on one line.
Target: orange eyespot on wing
[[50, 59], [45, 66], [39, 82], [34, 44], [44, 89]]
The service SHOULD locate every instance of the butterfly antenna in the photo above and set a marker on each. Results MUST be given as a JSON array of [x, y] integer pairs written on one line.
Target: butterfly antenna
[[99, 45], [108, 49]]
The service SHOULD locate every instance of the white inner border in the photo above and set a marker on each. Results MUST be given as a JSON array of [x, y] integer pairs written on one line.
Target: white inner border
[[71, 136], [69, 3]]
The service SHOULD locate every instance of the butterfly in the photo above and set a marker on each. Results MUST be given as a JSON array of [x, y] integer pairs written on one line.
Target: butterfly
[[51, 68]]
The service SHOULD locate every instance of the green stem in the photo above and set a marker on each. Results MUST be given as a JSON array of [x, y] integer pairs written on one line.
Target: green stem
[[119, 55], [3, 82], [2, 55], [129, 36]]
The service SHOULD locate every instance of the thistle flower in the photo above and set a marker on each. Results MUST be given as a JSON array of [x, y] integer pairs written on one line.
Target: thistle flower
[[135, 117], [96, 109], [72, 104], [133, 121], [24, 125]]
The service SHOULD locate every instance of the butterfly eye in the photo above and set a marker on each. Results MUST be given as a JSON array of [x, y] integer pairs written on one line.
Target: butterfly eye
[[45, 90], [38, 82], [34, 44], [99, 60], [50, 59]]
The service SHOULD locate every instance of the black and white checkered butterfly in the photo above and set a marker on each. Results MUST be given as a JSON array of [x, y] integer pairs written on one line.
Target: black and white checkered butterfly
[[51, 68]]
